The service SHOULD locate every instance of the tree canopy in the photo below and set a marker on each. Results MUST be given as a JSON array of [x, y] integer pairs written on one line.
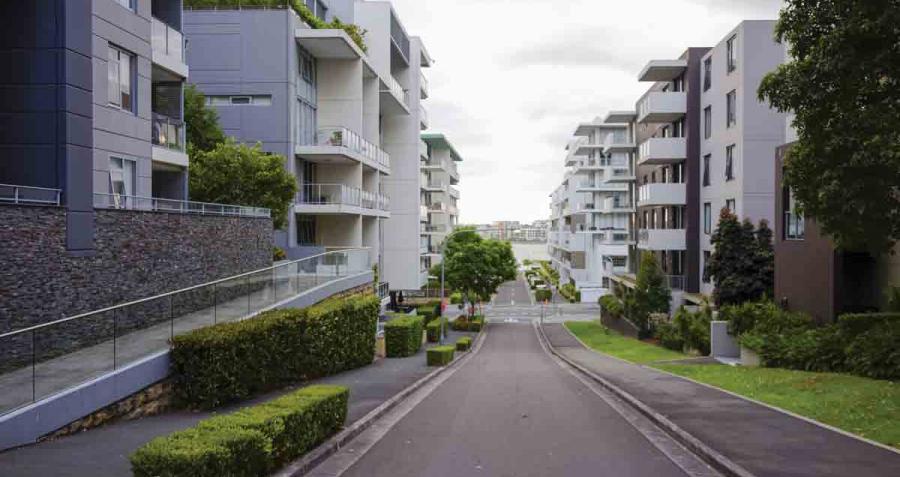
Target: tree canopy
[[742, 263], [651, 293], [843, 85], [233, 173], [476, 266], [203, 130]]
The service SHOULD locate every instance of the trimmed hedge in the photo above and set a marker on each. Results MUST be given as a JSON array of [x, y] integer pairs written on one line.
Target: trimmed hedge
[[542, 295], [253, 441], [440, 355], [234, 361], [433, 330], [464, 343], [463, 323], [403, 336]]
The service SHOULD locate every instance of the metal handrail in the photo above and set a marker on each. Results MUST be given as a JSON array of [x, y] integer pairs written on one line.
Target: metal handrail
[[182, 290], [17, 198], [136, 202]]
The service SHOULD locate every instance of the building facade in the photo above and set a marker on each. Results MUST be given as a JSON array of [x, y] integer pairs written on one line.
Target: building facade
[[440, 199]]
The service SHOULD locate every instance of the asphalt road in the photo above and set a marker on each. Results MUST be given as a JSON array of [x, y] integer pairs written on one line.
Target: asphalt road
[[513, 293], [512, 411]]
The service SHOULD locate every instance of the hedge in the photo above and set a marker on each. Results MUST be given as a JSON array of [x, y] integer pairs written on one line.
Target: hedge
[[440, 355], [542, 295], [233, 361], [456, 298], [253, 441], [403, 336], [463, 323], [464, 343], [686, 331], [433, 330]]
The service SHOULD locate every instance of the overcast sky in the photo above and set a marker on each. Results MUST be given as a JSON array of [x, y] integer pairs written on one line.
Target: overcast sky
[[512, 78]]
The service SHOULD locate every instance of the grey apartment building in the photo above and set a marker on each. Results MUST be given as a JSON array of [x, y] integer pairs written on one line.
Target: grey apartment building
[[346, 118]]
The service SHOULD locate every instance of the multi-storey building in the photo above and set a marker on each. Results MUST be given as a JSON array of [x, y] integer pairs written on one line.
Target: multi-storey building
[[440, 200], [592, 208], [117, 70], [341, 113]]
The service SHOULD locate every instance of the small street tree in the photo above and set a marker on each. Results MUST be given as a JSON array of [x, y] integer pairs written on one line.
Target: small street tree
[[843, 84], [651, 293], [233, 173], [742, 262], [478, 267], [203, 130]]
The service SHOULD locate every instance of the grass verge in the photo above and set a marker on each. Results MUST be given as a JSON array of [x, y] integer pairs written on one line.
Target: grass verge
[[609, 342]]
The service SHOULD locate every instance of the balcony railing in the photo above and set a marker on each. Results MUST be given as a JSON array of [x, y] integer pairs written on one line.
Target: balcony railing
[[16, 194], [433, 184], [166, 39], [158, 204], [168, 132], [397, 90], [423, 85], [435, 228], [343, 137], [423, 116], [794, 226], [675, 282], [339, 194]]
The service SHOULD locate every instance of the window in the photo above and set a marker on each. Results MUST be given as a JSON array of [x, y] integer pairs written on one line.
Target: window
[[306, 230], [129, 4], [121, 182], [707, 73], [732, 55], [120, 69], [706, 256], [707, 122], [239, 100], [794, 226], [706, 160], [707, 218], [731, 206], [729, 163], [731, 107]]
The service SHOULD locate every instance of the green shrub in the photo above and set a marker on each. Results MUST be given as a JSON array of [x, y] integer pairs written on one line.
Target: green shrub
[[694, 328], [465, 323], [569, 292], [476, 323], [440, 355], [403, 336], [278, 253], [543, 295], [670, 337], [233, 361], [874, 353], [464, 343], [456, 298], [612, 306], [433, 330], [250, 442]]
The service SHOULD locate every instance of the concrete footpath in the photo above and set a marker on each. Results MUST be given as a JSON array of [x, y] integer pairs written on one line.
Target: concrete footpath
[[762, 440], [104, 451]]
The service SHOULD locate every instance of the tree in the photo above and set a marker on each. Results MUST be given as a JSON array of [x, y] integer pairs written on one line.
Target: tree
[[233, 173], [651, 293], [203, 130], [742, 263], [843, 84], [478, 267]]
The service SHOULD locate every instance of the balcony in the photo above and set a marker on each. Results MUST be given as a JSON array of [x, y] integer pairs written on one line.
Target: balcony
[[167, 136], [428, 229], [662, 194], [423, 117], [331, 199], [434, 186], [438, 208], [662, 70], [423, 213], [423, 150], [600, 186], [611, 205], [616, 175], [167, 46], [662, 150], [662, 239], [394, 97], [336, 144], [662, 107], [453, 192], [423, 86]]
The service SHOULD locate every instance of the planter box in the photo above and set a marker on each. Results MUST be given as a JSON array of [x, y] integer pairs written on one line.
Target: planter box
[[749, 357]]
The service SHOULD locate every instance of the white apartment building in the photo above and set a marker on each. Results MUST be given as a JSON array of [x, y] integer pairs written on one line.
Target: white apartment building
[[591, 210], [739, 133], [440, 200]]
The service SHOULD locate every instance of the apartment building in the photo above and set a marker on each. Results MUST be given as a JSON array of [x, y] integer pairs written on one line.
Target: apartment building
[[117, 70], [342, 114], [590, 228], [440, 199]]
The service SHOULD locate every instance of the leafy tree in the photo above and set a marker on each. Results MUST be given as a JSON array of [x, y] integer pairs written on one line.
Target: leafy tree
[[460, 237], [742, 263], [650, 295], [233, 173], [843, 84], [203, 130], [479, 267]]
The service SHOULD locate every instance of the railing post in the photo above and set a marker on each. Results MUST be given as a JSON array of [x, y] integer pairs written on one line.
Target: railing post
[[115, 335], [15, 195], [33, 367]]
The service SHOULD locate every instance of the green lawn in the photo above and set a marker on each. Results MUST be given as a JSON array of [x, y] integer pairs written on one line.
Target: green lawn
[[609, 342], [867, 407]]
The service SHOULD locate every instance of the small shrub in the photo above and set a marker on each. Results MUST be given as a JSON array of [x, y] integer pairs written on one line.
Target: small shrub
[[440, 355], [403, 336], [874, 353], [464, 343], [278, 253], [464, 323], [670, 337], [612, 306], [543, 295], [433, 330], [250, 442], [569, 292], [693, 329]]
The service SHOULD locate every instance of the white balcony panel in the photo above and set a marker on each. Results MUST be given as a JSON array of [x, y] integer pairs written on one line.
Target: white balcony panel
[[167, 48], [328, 43], [662, 194], [662, 70], [170, 156], [662, 239], [662, 150], [662, 107], [336, 145]]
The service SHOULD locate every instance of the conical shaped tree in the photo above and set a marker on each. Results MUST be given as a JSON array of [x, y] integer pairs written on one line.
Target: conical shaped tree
[[742, 261], [765, 260], [651, 293]]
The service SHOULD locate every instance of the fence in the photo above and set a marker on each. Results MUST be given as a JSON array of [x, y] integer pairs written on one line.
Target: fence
[[16, 194], [156, 204]]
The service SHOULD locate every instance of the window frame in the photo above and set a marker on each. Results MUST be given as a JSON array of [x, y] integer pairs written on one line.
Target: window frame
[[729, 162], [120, 54], [707, 179], [707, 73], [706, 257], [731, 53], [707, 218], [707, 122], [731, 108], [731, 205]]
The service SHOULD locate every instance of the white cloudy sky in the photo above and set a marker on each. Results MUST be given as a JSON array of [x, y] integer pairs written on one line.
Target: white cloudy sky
[[513, 77]]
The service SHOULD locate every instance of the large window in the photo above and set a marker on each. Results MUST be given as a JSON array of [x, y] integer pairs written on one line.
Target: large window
[[707, 218], [706, 159], [732, 54], [121, 181], [707, 122], [731, 109], [120, 68], [729, 163], [707, 73]]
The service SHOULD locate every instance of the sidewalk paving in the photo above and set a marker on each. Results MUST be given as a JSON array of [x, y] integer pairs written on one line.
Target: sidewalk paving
[[104, 451], [763, 441]]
